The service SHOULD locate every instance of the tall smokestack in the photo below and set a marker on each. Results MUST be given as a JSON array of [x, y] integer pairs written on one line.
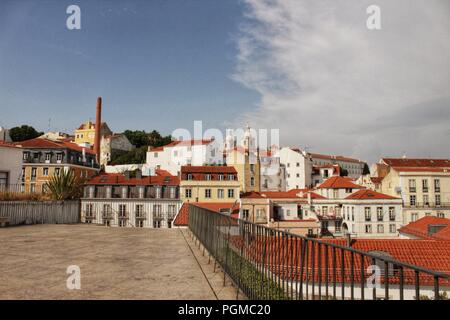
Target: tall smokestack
[[98, 124]]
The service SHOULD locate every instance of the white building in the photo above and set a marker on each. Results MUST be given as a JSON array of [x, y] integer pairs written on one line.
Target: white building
[[120, 200], [181, 153], [298, 166], [273, 173], [4, 135], [10, 165], [353, 168]]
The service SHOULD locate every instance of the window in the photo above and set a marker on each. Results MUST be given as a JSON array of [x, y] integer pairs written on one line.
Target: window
[[412, 185], [380, 213], [33, 173], [245, 213], [36, 155], [348, 190], [124, 192], [298, 164], [207, 193], [47, 157], [89, 210], [230, 193], [392, 228], [412, 200], [252, 167], [337, 225], [414, 216], [172, 192], [438, 199], [230, 177], [368, 214], [158, 192], [288, 212], [252, 181], [221, 177], [139, 211], [122, 211], [189, 176], [155, 155], [208, 177], [157, 209], [335, 193], [59, 157], [188, 193], [260, 213], [324, 210], [298, 175], [353, 213], [288, 164], [441, 215], [425, 185], [380, 228], [368, 228], [25, 155], [3, 178], [437, 185], [220, 193], [426, 202], [392, 213], [172, 209]]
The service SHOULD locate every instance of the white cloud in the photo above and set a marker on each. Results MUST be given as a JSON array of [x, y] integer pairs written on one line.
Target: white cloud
[[330, 83]]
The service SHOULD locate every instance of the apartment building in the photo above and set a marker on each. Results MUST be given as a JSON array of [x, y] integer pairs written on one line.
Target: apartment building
[[298, 166], [273, 173], [209, 184], [10, 165], [176, 154], [423, 184], [131, 200], [85, 134], [350, 167], [43, 158]]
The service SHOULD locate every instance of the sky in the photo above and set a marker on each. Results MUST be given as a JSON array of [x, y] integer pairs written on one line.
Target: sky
[[310, 68]]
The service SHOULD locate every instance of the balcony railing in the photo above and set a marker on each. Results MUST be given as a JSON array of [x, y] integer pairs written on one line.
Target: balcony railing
[[140, 215], [107, 215], [269, 264], [431, 205]]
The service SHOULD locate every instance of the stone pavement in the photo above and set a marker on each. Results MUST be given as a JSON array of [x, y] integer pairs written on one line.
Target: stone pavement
[[115, 263]]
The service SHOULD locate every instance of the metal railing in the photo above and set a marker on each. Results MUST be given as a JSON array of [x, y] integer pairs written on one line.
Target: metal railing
[[266, 263], [428, 205]]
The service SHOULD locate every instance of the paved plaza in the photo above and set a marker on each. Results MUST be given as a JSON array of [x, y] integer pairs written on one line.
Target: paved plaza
[[115, 263]]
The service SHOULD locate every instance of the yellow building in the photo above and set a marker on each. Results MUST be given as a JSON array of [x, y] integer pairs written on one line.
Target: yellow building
[[86, 132], [248, 168], [423, 184], [210, 184]]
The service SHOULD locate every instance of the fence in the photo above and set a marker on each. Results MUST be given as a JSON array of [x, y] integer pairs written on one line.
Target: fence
[[39, 212], [271, 264]]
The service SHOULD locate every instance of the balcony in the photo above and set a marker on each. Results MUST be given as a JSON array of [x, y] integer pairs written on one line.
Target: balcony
[[428, 205], [89, 215], [107, 215]]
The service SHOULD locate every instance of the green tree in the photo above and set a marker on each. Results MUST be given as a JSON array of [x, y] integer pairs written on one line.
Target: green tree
[[135, 156], [157, 140], [64, 186], [138, 138], [24, 132]]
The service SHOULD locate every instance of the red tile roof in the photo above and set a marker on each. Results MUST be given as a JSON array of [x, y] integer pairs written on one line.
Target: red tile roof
[[419, 228], [182, 218], [417, 163], [119, 179], [338, 158], [8, 145], [338, 182], [42, 143], [291, 194], [376, 180], [366, 194], [429, 254]]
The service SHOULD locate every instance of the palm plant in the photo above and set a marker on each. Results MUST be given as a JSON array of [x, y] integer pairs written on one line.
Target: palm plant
[[64, 186]]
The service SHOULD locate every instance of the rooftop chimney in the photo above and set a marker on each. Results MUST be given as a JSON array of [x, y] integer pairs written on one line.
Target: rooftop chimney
[[98, 124]]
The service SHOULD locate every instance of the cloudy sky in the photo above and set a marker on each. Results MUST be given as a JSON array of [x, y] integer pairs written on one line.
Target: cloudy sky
[[331, 84], [310, 68]]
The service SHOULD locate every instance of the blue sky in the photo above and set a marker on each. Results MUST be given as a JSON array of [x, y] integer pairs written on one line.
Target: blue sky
[[157, 64]]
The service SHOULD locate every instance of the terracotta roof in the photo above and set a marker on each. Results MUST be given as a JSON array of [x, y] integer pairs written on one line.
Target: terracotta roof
[[208, 169], [417, 163], [419, 228], [182, 218], [367, 194], [40, 143], [8, 145], [429, 254], [337, 182], [119, 179], [338, 158], [291, 194], [376, 180]]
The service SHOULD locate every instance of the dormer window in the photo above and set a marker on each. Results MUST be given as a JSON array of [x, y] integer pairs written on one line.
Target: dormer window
[[25, 155], [189, 176], [230, 177], [208, 177], [221, 177]]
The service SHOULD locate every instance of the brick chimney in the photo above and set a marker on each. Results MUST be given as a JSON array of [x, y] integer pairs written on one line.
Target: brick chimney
[[98, 125]]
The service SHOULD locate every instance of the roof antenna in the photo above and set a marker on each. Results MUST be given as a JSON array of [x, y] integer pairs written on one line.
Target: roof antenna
[[49, 122]]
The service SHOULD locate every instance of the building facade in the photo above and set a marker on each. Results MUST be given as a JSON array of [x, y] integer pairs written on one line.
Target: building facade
[[350, 167], [176, 154], [209, 184], [85, 134], [423, 184], [114, 143], [123, 200], [10, 165], [43, 158], [298, 166]]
